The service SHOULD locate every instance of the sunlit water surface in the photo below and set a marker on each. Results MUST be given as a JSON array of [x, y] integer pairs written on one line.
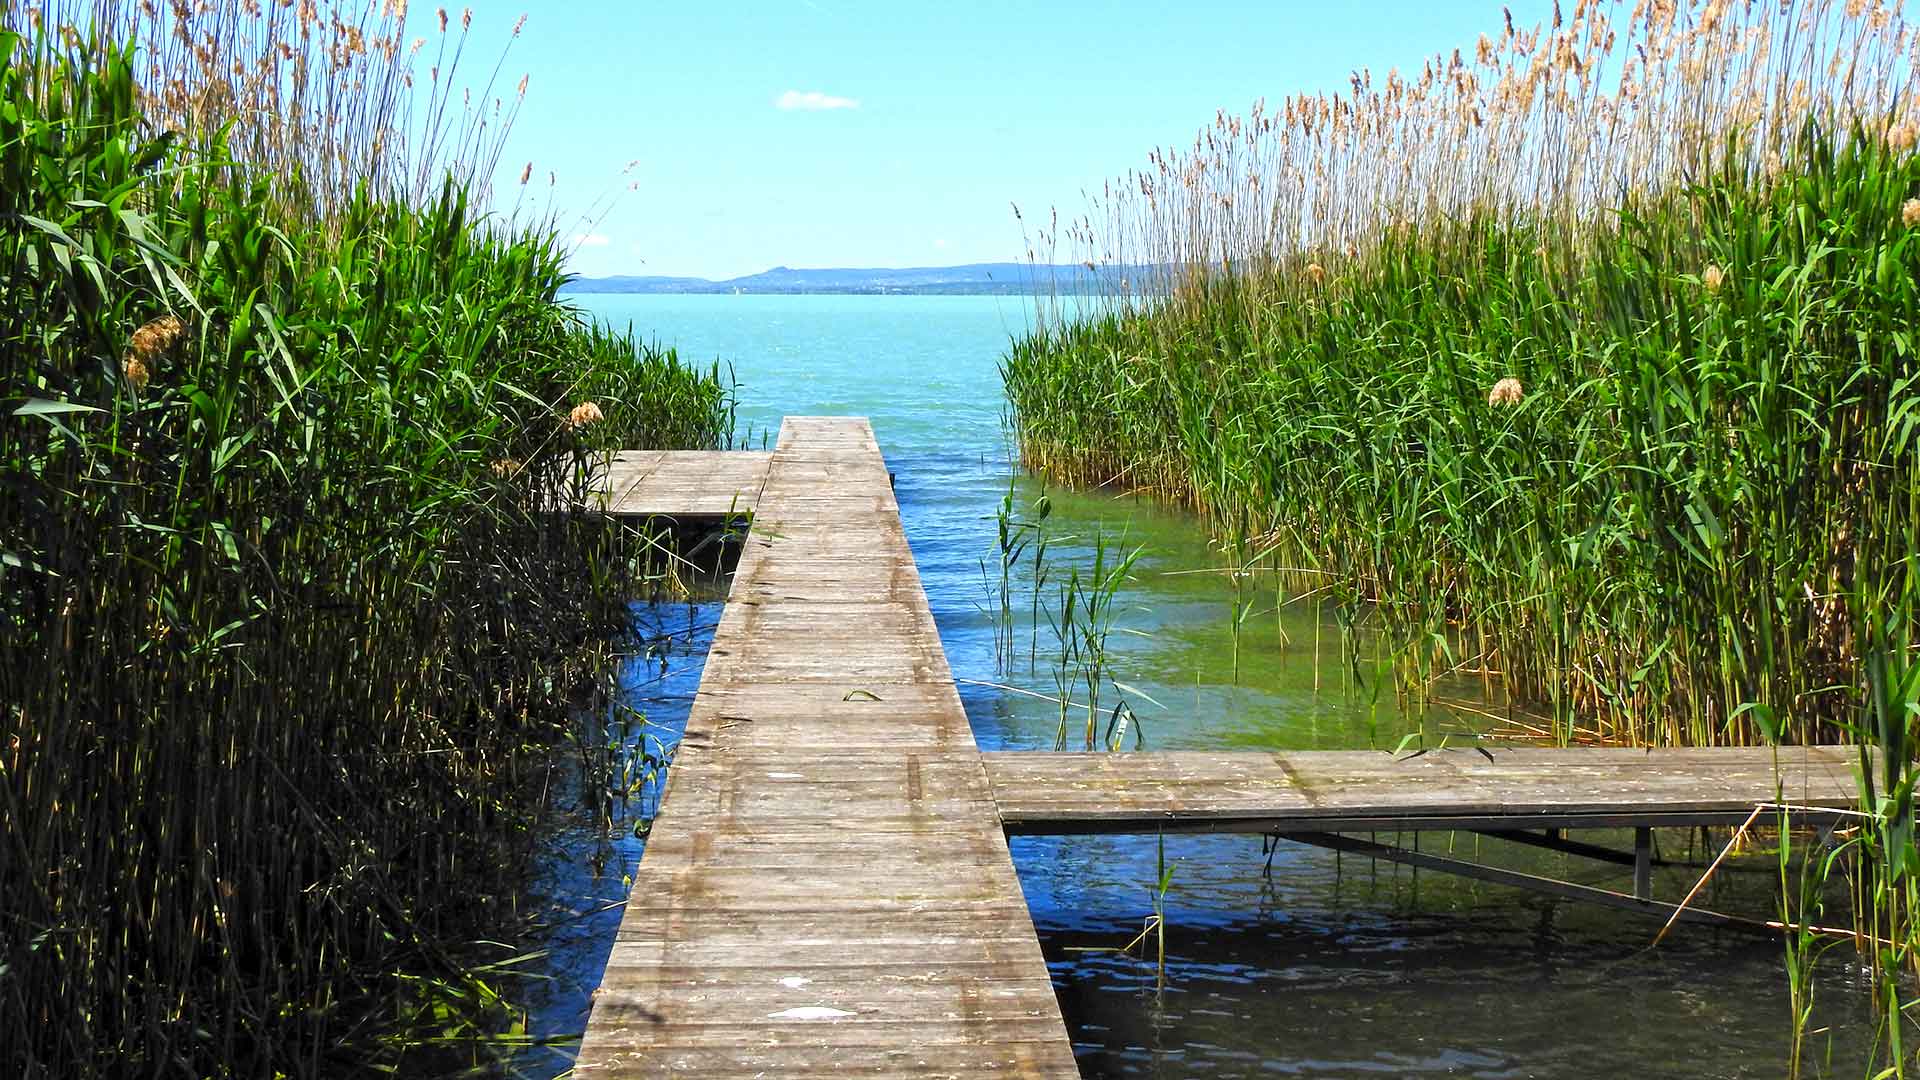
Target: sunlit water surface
[[1306, 965]]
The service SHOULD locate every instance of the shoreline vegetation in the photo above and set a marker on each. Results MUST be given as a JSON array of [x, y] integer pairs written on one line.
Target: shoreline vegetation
[[1584, 357], [291, 621], [1611, 386]]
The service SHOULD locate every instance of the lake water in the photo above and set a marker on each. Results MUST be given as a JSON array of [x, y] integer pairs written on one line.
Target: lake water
[[1307, 964]]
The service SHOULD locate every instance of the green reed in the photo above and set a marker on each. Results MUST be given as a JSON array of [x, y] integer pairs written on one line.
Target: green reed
[[1657, 536], [1692, 522], [294, 600], [1584, 357], [1084, 620], [1016, 538]]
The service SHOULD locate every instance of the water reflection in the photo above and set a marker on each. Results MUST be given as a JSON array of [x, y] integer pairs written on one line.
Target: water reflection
[[585, 875]]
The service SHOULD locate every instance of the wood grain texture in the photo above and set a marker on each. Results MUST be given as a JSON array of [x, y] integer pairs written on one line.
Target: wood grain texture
[[684, 483], [826, 889], [1335, 790]]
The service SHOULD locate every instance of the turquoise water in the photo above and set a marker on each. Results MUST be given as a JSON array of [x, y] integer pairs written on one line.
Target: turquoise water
[[1308, 965]]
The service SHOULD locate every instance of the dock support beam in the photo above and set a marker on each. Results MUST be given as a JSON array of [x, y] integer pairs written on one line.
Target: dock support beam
[[1643, 863], [1500, 876]]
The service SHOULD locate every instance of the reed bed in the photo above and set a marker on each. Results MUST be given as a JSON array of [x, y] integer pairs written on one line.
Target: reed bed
[[290, 611], [1585, 355]]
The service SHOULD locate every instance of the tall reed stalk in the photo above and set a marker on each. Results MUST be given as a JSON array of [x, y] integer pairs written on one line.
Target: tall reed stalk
[[294, 600], [1591, 347]]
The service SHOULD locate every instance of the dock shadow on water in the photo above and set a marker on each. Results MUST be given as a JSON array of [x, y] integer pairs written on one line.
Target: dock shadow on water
[[598, 803], [595, 838], [1326, 966]]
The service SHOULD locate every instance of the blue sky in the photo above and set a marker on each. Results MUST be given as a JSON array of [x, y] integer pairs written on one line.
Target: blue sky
[[909, 129]]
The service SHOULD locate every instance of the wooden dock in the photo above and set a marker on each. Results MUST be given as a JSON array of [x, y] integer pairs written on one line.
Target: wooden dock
[[1499, 788], [827, 890], [1524, 795], [684, 483]]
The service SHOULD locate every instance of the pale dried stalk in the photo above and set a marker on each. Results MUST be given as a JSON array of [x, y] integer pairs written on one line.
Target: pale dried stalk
[[1552, 126], [320, 97]]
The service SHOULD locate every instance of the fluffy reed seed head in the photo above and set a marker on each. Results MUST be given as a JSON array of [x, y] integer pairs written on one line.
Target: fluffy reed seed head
[[583, 414], [1506, 392], [1910, 213], [1543, 125], [149, 343], [506, 468], [1713, 277]]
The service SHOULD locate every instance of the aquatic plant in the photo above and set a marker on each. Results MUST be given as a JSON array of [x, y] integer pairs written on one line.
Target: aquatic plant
[[1017, 536], [295, 597], [1083, 621], [1585, 353], [1606, 341], [1154, 926]]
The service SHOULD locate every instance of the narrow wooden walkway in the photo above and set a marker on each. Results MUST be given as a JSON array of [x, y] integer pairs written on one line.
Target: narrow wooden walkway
[[1523, 795], [685, 483], [1368, 791], [826, 889]]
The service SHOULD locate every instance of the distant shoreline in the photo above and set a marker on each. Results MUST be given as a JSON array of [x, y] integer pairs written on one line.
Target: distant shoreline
[[928, 291], [975, 279]]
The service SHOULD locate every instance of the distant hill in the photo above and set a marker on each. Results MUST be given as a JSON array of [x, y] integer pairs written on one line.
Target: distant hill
[[974, 278]]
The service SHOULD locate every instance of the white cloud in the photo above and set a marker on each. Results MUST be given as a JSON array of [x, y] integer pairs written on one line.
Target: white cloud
[[812, 101], [590, 240]]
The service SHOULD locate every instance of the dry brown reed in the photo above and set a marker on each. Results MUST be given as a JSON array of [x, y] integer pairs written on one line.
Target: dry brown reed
[[584, 414], [1551, 125], [318, 96]]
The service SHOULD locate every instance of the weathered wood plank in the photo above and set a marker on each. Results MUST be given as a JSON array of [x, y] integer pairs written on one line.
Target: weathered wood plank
[[681, 483], [826, 889], [1322, 790]]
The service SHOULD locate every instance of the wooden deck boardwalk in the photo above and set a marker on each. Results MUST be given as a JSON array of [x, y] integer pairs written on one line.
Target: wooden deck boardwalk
[[1525, 795], [1501, 788], [826, 889], [685, 483]]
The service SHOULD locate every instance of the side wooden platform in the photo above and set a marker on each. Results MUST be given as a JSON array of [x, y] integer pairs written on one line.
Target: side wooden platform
[[826, 890], [685, 483], [1326, 791]]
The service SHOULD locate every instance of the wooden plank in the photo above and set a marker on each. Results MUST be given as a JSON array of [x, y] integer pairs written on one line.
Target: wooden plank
[[826, 889], [1353, 790], [684, 483]]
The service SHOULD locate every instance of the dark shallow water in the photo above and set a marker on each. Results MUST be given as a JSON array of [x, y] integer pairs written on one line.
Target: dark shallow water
[[1314, 965]]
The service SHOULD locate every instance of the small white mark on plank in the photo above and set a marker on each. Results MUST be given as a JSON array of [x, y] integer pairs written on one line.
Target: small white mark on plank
[[809, 1012]]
